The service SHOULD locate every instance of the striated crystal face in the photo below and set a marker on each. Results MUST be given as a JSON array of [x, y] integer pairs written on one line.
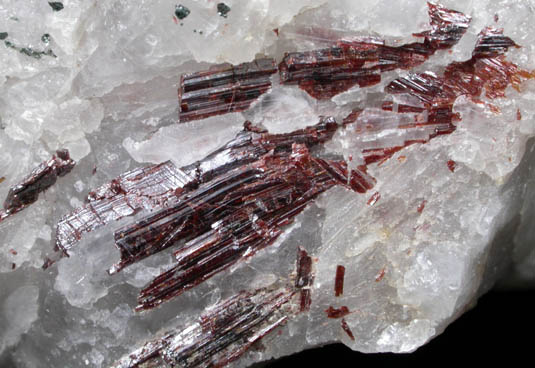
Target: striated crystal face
[[210, 184]]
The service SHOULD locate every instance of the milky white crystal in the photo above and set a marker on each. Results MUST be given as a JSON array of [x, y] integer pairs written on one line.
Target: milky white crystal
[[110, 97]]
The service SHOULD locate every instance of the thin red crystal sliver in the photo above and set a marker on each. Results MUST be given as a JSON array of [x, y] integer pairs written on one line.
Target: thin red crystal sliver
[[339, 280], [347, 330], [304, 279]]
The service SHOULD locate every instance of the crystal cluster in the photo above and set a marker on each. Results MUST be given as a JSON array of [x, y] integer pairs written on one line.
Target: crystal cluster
[[389, 146]]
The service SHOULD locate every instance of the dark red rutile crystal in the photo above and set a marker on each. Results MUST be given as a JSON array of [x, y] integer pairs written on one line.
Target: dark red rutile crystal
[[157, 186], [374, 198], [304, 278], [304, 269], [233, 216], [487, 71], [381, 275], [421, 206], [221, 335], [451, 165], [327, 72], [337, 312], [221, 173], [339, 280], [40, 179], [347, 330], [224, 88]]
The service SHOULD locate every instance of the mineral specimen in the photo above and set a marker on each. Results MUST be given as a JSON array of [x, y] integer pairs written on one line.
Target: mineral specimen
[[223, 89], [446, 133]]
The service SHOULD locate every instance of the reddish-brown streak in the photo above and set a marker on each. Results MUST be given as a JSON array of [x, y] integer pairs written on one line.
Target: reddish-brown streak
[[380, 275], [347, 330], [374, 198], [339, 280], [337, 313], [421, 206]]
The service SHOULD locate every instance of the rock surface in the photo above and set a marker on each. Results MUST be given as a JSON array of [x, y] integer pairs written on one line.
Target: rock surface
[[100, 78]]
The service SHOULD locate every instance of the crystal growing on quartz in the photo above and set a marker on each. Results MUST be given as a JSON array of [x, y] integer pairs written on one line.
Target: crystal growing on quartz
[[40, 179], [397, 164], [223, 89], [327, 72]]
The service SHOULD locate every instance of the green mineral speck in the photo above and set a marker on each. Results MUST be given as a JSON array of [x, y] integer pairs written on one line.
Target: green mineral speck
[[31, 53], [56, 5], [28, 51], [223, 9], [3, 35], [181, 11], [45, 38]]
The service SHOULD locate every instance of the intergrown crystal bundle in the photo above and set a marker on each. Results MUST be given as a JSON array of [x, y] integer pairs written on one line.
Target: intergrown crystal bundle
[[335, 174], [223, 89], [327, 72]]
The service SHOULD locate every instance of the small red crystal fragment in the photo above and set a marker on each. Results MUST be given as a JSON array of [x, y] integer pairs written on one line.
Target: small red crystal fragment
[[380, 275], [2, 178], [451, 165], [304, 268], [347, 330], [13, 266], [421, 206], [276, 30], [339, 280], [305, 300], [13, 251], [518, 115], [374, 198], [337, 313], [40, 179]]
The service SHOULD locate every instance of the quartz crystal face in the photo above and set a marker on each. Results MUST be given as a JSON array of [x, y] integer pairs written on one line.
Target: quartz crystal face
[[203, 184]]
